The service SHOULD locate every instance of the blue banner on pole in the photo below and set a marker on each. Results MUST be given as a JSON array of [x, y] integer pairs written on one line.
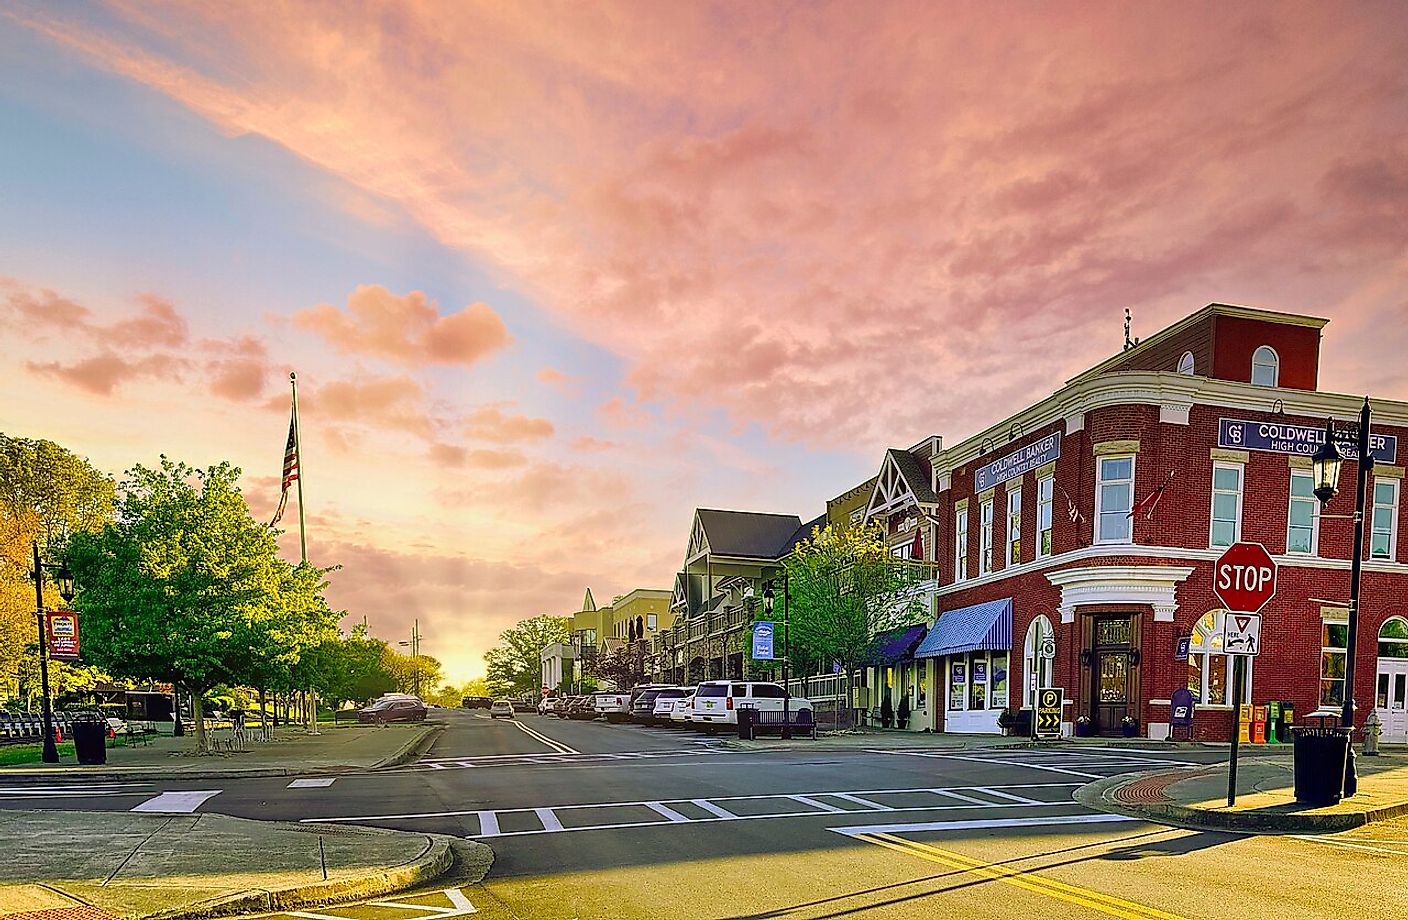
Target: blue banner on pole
[[762, 641]]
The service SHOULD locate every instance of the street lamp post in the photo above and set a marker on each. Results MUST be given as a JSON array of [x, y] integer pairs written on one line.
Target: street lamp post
[[1326, 466], [786, 652], [64, 578]]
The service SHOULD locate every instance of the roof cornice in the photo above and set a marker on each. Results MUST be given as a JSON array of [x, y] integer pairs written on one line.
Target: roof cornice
[[1164, 388]]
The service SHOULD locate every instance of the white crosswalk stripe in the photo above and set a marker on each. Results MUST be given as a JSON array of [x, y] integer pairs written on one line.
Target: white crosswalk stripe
[[553, 819]]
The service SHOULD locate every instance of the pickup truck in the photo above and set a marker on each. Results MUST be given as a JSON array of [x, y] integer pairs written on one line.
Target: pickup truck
[[615, 706]]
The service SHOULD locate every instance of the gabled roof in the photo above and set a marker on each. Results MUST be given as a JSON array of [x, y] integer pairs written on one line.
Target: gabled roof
[[748, 534], [803, 533], [588, 603], [901, 474]]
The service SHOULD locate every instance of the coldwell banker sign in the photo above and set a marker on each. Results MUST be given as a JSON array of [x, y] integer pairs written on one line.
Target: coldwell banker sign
[[1285, 438], [1038, 453]]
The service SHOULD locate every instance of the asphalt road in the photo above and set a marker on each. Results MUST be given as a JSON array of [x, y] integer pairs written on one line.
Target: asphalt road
[[590, 820]]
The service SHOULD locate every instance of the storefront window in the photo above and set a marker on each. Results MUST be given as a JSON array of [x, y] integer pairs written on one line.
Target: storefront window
[[1209, 670], [978, 686], [1334, 640], [957, 683], [997, 698]]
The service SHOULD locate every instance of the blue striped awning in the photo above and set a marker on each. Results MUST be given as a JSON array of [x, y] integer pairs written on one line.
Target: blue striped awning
[[970, 629]]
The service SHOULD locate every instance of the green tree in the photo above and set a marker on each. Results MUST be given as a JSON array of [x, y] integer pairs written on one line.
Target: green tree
[[515, 664], [181, 583], [349, 668], [46, 492], [412, 673], [845, 588]]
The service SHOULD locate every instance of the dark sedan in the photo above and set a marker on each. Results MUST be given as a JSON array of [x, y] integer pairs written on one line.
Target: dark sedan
[[393, 710]]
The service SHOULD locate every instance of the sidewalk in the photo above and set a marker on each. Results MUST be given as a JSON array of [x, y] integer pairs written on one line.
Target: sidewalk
[[872, 739], [1265, 797], [292, 752], [186, 866]]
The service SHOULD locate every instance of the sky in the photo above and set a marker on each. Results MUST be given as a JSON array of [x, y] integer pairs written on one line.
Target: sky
[[552, 275]]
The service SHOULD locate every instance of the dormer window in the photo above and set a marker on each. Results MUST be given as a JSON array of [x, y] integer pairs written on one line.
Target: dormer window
[[1185, 364], [1266, 367]]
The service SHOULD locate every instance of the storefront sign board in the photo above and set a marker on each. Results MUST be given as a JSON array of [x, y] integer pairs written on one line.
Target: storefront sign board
[[1285, 438], [1048, 713], [1038, 453]]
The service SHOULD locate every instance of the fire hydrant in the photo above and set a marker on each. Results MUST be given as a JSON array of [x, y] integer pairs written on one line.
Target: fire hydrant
[[1373, 728]]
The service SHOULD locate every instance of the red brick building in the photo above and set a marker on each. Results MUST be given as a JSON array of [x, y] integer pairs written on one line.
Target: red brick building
[[1092, 519]]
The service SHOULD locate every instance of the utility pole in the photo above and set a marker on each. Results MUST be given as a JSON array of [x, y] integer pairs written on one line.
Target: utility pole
[[51, 750]]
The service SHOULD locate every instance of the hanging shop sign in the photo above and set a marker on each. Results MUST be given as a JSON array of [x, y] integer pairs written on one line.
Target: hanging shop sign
[[1285, 438], [62, 633], [1024, 459]]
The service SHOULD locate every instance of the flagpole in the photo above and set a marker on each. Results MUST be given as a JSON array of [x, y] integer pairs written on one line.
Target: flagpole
[[298, 445]]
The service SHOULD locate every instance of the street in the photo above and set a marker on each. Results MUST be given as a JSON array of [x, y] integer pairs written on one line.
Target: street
[[594, 820]]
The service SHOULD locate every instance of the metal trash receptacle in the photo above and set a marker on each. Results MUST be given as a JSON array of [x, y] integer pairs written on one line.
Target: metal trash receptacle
[[1320, 757], [90, 739], [747, 718]]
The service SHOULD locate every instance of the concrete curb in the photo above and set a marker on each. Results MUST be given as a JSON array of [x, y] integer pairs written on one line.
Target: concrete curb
[[405, 753], [863, 743], [429, 864], [1100, 795]]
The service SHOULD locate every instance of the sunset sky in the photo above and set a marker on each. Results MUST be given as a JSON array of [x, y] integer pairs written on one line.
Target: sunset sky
[[554, 274]]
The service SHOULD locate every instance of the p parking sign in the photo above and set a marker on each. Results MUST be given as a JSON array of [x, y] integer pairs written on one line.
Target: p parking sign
[[1048, 713]]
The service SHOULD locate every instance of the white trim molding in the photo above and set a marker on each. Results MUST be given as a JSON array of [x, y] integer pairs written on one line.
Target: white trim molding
[[1145, 585]]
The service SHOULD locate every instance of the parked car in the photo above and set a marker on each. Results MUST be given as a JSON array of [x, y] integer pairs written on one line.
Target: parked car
[[393, 709], [501, 709], [664, 707], [476, 702], [615, 705], [643, 704], [522, 705], [683, 711], [716, 702], [550, 705], [582, 707]]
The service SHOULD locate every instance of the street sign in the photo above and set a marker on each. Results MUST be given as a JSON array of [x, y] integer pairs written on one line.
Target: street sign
[[1241, 633], [1048, 647], [1048, 712], [1180, 648], [1244, 577], [762, 640], [62, 634]]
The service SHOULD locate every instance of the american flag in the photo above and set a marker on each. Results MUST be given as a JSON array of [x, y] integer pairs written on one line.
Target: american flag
[[290, 467], [1072, 511]]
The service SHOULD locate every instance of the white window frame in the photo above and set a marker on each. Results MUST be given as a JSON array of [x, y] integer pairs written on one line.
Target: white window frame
[[1044, 669], [1314, 503], [1045, 516], [1186, 364], [1334, 650], [1206, 651], [1012, 552], [652, 622], [1392, 519], [960, 545], [985, 511], [1100, 494], [1258, 360], [1212, 514]]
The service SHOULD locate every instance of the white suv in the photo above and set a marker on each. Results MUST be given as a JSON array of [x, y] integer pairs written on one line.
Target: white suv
[[716, 702]]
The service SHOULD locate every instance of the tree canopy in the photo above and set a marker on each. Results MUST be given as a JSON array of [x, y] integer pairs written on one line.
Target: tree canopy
[[185, 586], [514, 664]]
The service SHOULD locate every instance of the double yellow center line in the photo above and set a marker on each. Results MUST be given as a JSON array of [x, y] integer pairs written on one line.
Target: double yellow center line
[[1021, 878]]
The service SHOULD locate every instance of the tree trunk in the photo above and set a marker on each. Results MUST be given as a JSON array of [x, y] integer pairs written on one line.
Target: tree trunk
[[198, 716], [263, 725]]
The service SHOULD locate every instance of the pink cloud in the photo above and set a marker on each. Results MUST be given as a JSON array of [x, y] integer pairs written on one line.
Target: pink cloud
[[406, 329], [491, 424], [807, 239], [104, 373], [390, 402], [457, 456], [552, 376]]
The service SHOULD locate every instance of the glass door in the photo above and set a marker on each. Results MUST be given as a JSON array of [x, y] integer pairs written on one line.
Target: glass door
[[1391, 700], [1113, 674]]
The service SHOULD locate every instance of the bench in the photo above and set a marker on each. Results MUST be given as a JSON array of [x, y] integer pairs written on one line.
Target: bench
[[800, 722]]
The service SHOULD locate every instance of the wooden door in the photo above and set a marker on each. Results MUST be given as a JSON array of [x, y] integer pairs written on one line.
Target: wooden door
[[1113, 672]]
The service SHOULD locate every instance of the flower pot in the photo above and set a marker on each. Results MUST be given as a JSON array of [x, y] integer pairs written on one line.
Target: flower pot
[[1083, 730], [1129, 729]]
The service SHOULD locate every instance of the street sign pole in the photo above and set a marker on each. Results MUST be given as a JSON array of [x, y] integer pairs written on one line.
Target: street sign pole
[[1239, 668]]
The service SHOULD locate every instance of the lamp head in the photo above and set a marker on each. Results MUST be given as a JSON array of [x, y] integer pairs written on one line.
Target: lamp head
[[64, 578], [767, 597], [1325, 463]]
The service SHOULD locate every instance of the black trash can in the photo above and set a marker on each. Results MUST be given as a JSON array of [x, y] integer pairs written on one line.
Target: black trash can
[[747, 718], [1320, 756], [90, 737]]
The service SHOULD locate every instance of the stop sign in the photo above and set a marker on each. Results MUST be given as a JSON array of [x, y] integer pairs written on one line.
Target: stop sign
[[1244, 578]]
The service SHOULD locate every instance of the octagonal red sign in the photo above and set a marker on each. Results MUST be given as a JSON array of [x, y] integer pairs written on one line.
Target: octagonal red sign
[[1244, 578]]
